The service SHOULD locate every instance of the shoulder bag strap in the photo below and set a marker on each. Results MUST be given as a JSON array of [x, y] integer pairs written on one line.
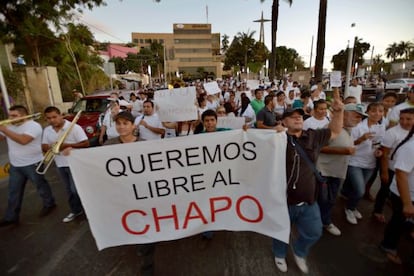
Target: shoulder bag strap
[[307, 159]]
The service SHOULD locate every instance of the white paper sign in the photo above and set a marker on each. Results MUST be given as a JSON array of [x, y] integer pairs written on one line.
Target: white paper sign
[[168, 189], [177, 104], [335, 79], [212, 87], [231, 122]]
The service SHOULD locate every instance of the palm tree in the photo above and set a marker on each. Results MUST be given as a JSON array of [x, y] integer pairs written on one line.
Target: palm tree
[[404, 48], [275, 16], [320, 44], [224, 43], [247, 42], [392, 51]]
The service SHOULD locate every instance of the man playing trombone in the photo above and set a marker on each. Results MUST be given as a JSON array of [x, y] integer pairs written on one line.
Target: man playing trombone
[[23, 137], [73, 136]]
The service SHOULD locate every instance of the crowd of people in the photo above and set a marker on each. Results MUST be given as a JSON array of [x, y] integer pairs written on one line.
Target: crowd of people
[[335, 145]]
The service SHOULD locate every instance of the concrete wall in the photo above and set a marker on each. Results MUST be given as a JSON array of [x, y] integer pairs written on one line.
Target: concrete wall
[[43, 88], [6, 56]]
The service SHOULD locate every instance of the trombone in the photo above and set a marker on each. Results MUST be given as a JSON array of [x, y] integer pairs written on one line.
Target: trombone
[[54, 150], [12, 121]]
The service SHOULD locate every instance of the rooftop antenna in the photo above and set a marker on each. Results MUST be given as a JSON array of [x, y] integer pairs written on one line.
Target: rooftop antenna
[[207, 13]]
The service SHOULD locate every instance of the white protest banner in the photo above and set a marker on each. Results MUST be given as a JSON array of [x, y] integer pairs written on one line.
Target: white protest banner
[[231, 122], [335, 79], [177, 104], [168, 189], [211, 87]]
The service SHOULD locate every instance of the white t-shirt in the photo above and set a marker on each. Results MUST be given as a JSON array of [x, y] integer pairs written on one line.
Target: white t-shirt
[[136, 109], [110, 125], [76, 135], [404, 161], [249, 113], [213, 105], [392, 138], [394, 115], [355, 91], [29, 154], [154, 121], [364, 152], [313, 123]]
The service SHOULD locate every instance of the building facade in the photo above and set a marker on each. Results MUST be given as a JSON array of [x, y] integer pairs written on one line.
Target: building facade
[[190, 48]]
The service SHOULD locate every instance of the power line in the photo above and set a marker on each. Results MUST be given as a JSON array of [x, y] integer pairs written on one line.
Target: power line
[[93, 26]]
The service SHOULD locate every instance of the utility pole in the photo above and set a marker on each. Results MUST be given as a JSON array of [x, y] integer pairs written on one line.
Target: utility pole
[[72, 54]]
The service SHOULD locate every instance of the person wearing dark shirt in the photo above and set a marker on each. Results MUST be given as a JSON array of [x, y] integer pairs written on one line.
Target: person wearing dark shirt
[[301, 182], [266, 117]]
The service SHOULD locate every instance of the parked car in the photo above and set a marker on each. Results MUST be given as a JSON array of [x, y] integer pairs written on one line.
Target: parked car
[[93, 107], [397, 84]]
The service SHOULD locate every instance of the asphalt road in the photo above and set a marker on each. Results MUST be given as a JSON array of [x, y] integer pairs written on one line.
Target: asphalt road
[[46, 246]]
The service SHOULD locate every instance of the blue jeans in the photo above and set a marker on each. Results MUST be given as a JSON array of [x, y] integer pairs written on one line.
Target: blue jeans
[[308, 222], [73, 197], [326, 206], [354, 185], [18, 177]]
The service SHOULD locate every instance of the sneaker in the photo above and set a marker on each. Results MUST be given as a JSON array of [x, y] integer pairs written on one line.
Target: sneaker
[[301, 263], [357, 214], [350, 216], [331, 228], [47, 210], [281, 264], [72, 216]]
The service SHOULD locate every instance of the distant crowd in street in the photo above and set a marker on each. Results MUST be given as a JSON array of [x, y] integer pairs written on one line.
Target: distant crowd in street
[[337, 146]]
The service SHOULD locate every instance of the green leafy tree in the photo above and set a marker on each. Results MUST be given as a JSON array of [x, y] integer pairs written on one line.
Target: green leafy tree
[[224, 43], [244, 51], [28, 23], [404, 49], [287, 59], [360, 48], [392, 51]]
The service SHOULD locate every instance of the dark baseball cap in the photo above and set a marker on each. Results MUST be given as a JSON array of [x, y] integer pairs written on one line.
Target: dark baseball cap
[[126, 115], [290, 111]]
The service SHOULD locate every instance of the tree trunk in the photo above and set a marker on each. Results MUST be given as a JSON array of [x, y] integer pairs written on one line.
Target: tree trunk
[[275, 15], [320, 44]]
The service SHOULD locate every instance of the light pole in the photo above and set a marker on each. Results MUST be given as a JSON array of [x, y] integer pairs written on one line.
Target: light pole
[[349, 63], [403, 69]]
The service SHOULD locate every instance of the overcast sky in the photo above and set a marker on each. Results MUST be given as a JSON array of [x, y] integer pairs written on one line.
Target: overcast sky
[[378, 22]]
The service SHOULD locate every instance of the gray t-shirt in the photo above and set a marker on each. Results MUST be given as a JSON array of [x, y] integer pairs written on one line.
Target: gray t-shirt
[[335, 165]]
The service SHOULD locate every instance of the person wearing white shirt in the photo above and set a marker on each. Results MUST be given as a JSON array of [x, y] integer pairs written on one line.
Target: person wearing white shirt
[[108, 124], [402, 197], [317, 92], [367, 137], [149, 125], [25, 152], [392, 138], [355, 90], [76, 138], [212, 102], [319, 119], [136, 108], [395, 112]]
